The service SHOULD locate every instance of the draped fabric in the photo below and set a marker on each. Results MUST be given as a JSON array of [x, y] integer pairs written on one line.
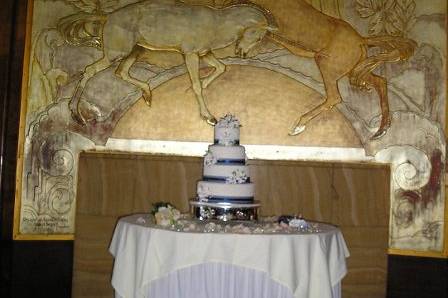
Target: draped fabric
[[217, 280], [307, 264]]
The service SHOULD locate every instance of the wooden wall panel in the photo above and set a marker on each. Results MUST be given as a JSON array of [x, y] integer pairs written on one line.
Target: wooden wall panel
[[355, 197], [118, 184], [292, 188], [361, 192], [114, 185], [93, 264], [363, 215]]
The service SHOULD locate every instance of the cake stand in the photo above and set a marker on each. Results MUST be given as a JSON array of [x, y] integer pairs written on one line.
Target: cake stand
[[224, 211]]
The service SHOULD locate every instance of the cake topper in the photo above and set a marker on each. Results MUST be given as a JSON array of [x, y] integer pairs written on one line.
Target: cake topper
[[227, 131], [228, 121]]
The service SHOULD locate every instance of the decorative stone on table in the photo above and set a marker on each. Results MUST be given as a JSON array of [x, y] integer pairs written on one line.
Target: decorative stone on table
[[267, 225]]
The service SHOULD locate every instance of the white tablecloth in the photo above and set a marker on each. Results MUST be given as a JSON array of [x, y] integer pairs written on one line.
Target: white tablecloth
[[149, 260]]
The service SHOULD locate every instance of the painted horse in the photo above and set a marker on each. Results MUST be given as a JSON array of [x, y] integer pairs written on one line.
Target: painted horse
[[339, 51], [167, 25]]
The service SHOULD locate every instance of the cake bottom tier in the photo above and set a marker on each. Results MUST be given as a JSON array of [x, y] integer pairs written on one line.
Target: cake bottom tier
[[219, 192]]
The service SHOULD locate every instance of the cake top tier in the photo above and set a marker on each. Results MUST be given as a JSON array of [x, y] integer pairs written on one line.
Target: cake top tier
[[227, 131]]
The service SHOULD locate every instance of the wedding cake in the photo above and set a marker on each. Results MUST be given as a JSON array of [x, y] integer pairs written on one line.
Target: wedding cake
[[225, 191]]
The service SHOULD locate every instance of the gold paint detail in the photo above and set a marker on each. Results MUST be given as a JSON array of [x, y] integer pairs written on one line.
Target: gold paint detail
[[417, 253], [22, 124], [211, 29]]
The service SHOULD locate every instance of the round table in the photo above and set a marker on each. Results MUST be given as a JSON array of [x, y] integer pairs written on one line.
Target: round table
[[151, 261]]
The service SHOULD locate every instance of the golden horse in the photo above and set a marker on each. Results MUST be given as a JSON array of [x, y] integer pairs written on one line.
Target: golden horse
[[339, 51], [194, 31]]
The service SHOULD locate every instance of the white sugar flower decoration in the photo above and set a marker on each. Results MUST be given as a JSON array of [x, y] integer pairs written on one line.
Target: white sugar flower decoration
[[228, 121], [209, 159], [238, 177], [203, 192]]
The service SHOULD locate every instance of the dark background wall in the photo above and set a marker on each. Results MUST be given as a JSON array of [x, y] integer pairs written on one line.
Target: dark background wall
[[27, 268], [44, 268]]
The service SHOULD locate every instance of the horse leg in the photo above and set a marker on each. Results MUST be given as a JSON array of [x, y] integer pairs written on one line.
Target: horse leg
[[192, 63], [89, 72], [330, 78], [123, 73], [220, 68], [380, 85]]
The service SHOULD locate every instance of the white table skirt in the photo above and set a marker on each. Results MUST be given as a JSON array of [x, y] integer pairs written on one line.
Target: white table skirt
[[217, 280], [156, 263]]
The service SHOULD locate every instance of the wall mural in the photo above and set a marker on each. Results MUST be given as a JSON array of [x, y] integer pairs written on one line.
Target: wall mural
[[337, 74]]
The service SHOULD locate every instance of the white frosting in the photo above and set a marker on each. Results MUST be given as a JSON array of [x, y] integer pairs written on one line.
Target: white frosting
[[226, 161], [219, 171], [227, 152], [227, 136], [206, 189]]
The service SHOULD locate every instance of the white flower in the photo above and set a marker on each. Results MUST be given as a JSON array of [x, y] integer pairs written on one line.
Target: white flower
[[238, 177], [167, 216], [203, 191], [228, 121], [209, 159], [165, 211], [162, 219], [165, 222], [175, 214]]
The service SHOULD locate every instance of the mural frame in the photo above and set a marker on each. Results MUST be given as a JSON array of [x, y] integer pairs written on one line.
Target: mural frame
[[21, 139], [17, 235]]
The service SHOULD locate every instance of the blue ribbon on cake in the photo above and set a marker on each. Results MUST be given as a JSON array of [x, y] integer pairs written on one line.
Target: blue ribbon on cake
[[241, 200], [235, 142], [220, 179], [231, 162]]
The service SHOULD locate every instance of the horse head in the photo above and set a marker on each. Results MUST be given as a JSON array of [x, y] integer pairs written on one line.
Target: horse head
[[250, 37]]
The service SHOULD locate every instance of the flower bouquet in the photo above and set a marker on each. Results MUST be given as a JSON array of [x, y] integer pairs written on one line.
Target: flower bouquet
[[165, 214]]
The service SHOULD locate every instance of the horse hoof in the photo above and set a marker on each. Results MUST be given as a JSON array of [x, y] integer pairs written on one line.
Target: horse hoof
[[210, 120], [296, 130], [380, 133], [147, 99]]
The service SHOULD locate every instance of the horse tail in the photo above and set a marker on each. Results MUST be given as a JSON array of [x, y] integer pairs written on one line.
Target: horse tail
[[394, 49], [82, 29]]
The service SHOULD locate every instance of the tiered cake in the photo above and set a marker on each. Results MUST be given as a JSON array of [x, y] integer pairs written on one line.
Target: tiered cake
[[226, 192]]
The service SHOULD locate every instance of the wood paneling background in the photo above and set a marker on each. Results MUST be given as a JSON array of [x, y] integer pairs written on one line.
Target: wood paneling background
[[352, 196]]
